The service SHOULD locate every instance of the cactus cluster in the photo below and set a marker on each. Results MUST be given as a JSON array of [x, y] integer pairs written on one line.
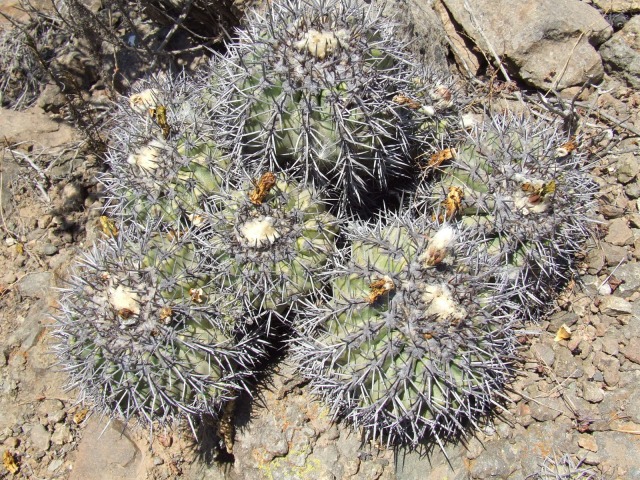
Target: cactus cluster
[[278, 187]]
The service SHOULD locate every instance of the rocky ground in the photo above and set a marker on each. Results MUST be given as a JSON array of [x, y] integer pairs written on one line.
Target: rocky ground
[[573, 409]]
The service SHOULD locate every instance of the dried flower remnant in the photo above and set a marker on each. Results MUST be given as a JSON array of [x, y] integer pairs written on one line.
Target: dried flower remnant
[[108, 226], [159, 114], [380, 288], [262, 188], [566, 148], [452, 204], [10, 463], [438, 247], [144, 101], [406, 101]]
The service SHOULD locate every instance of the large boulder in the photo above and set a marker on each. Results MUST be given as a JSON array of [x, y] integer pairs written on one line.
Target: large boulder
[[622, 52], [546, 43], [618, 6]]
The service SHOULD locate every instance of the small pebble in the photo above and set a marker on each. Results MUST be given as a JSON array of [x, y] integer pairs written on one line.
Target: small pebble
[[592, 393], [55, 464], [48, 249], [588, 442]]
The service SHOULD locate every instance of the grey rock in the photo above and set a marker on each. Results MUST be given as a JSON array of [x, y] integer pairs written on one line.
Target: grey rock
[[51, 99], [40, 437], [276, 444], [627, 168], [591, 392], [610, 211], [629, 273], [4, 434], [543, 48], [44, 221], [62, 434], [51, 411], [543, 352], [566, 366], [632, 350], [35, 284], [73, 195], [616, 453], [497, 461], [622, 52], [562, 318], [427, 29], [613, 305], [292, 430], [585, 349], [107, 454], [595, 260], [632, 329], [12, 442], [47, 249], [9, 277], [610, 368], [410, 464], [618, 6], [55, 464], [610, 344], [633, 189], [544, 409], [29, 330], [619, 233], [614, 254], [34, 123]]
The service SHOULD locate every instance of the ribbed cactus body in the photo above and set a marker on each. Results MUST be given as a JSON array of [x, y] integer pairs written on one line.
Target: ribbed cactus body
[[321, 88], [144, 336], [269, 242], [163, 162], [411, 344], [521, 185]]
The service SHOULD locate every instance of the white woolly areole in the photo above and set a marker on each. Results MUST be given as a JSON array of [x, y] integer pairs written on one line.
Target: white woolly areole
[[321, 44], [441, 303], [521, 199], [143, 101], [148, 157], [258, 232], [123, 298], [388, 283], [438, 247]]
